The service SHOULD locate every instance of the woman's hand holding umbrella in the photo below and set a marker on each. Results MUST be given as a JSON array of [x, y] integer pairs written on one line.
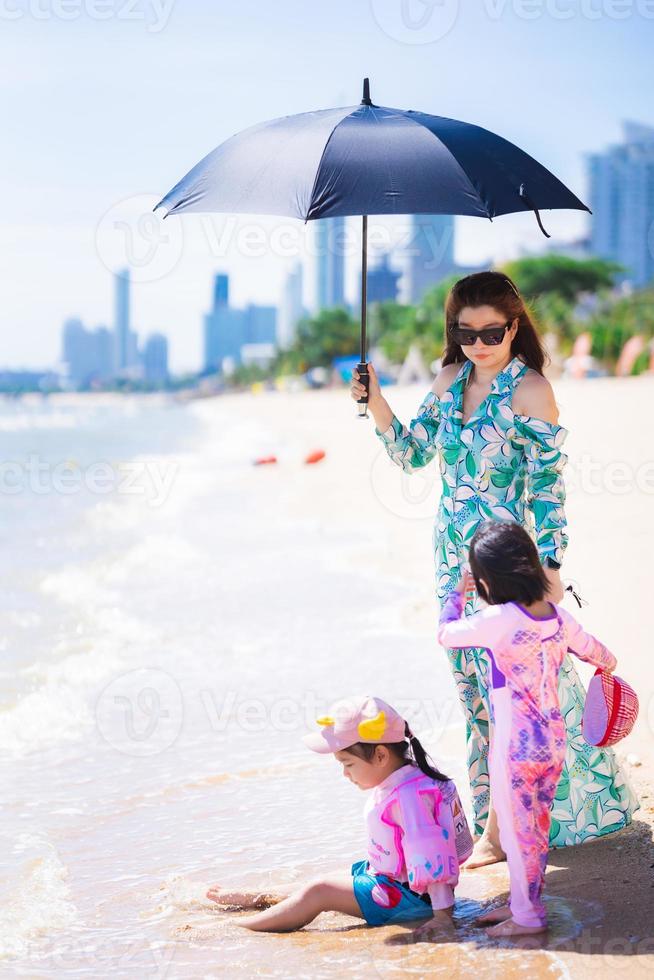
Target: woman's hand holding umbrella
[[379, 407]]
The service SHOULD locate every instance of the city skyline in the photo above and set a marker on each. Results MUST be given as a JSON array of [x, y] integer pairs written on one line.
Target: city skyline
[[103, 356], [115, 144]]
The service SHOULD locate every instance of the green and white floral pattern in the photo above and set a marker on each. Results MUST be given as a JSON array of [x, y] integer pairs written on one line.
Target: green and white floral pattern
[[504, 466]]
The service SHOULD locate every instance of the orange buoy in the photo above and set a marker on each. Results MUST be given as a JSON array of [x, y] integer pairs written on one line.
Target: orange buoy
[[265, 459], [315, 456]]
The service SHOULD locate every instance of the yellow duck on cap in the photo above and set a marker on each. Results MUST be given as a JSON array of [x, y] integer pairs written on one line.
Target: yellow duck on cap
[[373, 728]]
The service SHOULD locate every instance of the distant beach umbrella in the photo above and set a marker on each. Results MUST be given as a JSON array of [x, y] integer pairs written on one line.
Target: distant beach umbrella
[[368, 159]]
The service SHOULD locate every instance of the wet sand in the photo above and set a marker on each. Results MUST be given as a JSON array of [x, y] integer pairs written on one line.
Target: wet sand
[[600, 895]]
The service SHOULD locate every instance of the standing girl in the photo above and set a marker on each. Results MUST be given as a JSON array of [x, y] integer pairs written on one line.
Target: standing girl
[[526, 639], [492, 422], [417, 832]]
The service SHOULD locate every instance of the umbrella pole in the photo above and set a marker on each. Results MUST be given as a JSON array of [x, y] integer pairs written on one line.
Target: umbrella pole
[[362, 366]]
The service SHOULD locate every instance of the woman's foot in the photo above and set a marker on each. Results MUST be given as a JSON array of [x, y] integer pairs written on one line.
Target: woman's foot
[[512, 928], [489, 918], [486, 851]]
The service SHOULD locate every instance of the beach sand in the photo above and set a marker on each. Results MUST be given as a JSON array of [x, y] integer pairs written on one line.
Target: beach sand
[[600, 895]]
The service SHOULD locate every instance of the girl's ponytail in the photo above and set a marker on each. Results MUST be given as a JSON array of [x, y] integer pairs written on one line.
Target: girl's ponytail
[[421, 758]]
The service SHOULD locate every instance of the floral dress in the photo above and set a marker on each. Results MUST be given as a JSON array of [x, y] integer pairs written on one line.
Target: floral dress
[[504, 466]]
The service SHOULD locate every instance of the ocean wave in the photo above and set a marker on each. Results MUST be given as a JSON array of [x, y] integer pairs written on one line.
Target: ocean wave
[[37, 898]]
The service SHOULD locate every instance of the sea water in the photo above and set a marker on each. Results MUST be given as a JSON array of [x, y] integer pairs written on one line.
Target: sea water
[[171, 627]]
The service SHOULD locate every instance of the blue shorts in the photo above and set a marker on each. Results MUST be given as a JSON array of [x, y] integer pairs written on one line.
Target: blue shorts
[[383, 901]]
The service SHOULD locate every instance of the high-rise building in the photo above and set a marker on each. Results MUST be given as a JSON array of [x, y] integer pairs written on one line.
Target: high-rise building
[[223, 328], [622, 201], [220, 290], [382, 282], [429, 253], [330, 267], [260, 324], [228, 330], [123, 341], [291, 310], [155, 359], [87, 354]]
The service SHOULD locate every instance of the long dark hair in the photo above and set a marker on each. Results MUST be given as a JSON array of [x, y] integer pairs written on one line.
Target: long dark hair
[[499, 291], [504, 555], [410, 751]]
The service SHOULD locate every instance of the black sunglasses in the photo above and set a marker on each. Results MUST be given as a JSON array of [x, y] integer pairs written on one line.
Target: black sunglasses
[[490, 337]]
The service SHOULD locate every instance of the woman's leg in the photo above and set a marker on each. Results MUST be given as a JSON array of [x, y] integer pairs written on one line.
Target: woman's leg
[[326, 895], [488, 849], [475, 712]]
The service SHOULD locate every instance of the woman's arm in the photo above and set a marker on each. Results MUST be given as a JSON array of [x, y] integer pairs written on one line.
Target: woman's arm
[[535, 416], [412, 447]]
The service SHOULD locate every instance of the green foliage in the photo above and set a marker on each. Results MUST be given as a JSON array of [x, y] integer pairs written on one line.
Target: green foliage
[[642, 362], [552, 284], [617, 320], [398, 327], [332, 333], [561, 276]]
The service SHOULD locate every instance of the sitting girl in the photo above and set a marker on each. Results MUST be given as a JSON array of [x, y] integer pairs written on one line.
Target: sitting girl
[[526, 638], [417, 832]]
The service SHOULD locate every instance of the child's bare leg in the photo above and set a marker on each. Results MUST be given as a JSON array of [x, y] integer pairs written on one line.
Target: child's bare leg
[[327, 895], [245, 900]]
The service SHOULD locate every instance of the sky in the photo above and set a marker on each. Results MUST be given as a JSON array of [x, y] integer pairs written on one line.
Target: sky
[[106, 104]]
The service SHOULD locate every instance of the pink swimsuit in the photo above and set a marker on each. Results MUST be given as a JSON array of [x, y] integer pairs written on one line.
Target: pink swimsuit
[[528, 734], [414, 835]]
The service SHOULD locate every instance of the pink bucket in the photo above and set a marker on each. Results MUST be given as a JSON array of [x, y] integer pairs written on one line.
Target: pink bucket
[[610, 711]]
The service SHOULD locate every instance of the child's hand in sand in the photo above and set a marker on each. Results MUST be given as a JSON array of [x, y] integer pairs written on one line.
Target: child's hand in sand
[[440, 926]]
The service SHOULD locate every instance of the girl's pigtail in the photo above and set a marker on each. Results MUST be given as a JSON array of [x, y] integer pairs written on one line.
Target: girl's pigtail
[[421, 758]]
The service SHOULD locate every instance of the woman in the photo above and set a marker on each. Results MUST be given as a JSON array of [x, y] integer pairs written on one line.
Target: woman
[[492, 419]]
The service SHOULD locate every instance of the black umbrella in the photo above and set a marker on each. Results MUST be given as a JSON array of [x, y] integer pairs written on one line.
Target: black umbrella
[[368, 159]]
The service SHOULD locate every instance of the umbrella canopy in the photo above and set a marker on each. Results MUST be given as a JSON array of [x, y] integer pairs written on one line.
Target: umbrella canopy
[[363, 160], [367, 159]]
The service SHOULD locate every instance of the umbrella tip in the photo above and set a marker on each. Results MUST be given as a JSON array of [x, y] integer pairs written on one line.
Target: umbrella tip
[[366, 92]]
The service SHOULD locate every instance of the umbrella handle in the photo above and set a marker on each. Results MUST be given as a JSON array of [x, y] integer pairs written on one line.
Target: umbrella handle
[[362, 366], [364, 379]]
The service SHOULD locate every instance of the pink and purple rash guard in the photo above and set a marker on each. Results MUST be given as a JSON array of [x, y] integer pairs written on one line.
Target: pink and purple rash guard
[[411, 836], [528, 736]]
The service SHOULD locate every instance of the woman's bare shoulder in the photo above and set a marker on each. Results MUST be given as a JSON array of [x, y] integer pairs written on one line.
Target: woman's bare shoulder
[[534, 396], [444, 379]]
